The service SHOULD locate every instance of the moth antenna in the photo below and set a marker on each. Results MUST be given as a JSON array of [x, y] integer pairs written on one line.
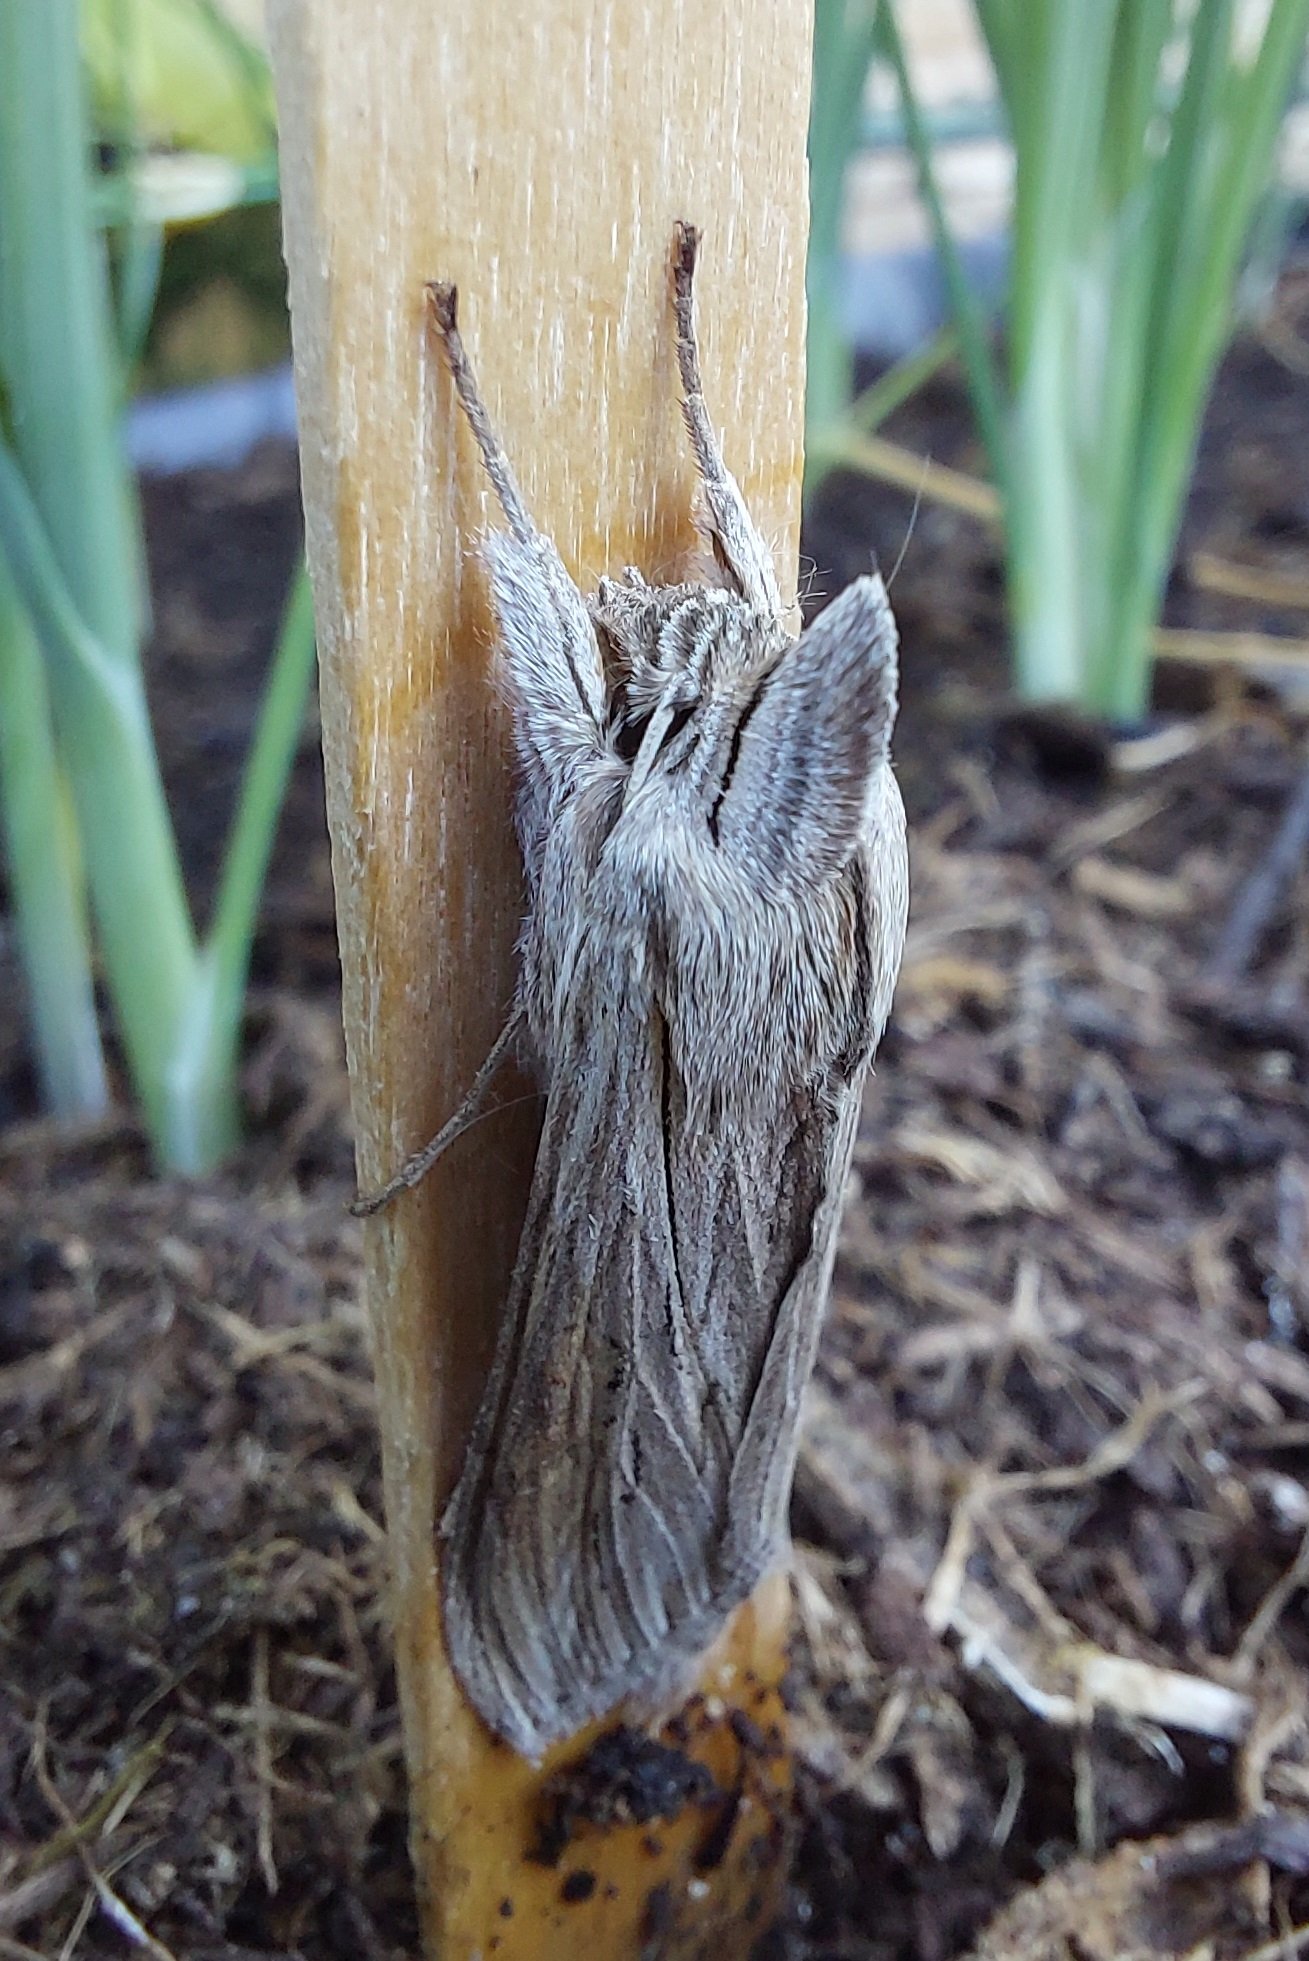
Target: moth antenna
[[737, 544], [443, 299], [686, 250]]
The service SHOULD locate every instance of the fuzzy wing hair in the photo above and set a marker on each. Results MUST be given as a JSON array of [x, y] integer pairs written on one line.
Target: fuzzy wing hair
[[551, 669], [628, 1475], [811, 743], [814, 789]]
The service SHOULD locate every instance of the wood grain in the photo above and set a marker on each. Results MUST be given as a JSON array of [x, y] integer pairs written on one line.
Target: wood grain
[[538, 156]]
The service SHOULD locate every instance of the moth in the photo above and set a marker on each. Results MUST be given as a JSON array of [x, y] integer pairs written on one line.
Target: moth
[[716, 879]]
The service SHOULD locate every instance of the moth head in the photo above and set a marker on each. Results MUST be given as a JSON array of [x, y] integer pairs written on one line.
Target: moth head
[[780, 748], [677, 657]]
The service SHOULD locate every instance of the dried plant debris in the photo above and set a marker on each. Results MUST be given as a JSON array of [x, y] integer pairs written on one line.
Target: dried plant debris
[[1052, 1504], [1203, 1893], [198, 1733], [1051, 1682], [1053, 1494]]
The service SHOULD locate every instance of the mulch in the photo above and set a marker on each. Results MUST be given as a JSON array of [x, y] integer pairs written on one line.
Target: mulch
[[1052, 1510]]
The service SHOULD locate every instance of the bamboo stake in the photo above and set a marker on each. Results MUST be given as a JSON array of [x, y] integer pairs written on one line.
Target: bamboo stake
[[539, 157]]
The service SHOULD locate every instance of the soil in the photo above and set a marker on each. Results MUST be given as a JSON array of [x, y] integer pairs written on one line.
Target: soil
[[1052, 1511]]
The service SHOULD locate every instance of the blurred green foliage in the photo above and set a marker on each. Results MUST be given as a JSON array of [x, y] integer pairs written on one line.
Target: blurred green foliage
[[95, 879], [1144, 133], [178, 74]]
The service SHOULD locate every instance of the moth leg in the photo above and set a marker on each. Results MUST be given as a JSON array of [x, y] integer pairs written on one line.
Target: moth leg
[[737, 545], [415, 1169]]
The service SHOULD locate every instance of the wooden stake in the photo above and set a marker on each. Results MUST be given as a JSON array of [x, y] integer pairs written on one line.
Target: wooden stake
[[537, 155]]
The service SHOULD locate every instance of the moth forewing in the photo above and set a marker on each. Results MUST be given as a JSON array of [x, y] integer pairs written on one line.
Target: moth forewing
[[814, 742], [717, 890]]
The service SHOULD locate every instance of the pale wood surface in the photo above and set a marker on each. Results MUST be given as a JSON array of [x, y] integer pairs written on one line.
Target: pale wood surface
[[538, 155]]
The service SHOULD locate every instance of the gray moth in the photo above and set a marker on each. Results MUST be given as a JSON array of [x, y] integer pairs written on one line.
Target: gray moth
[[716, 877]]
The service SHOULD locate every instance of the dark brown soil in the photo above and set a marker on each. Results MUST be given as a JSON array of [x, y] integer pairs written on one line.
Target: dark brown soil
[[1053, 1507]]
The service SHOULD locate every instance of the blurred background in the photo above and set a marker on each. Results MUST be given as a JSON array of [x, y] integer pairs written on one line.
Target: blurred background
[[1052, 1509]]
